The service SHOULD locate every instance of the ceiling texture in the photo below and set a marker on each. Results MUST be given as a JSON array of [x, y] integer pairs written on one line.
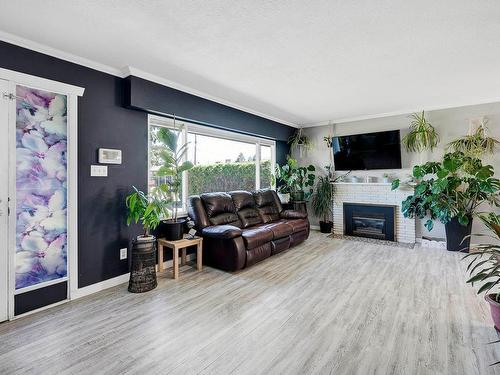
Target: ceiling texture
[[300, 62]]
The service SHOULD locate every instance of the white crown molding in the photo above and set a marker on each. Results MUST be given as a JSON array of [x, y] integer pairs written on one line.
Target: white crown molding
[[400, 112], [42, 48], [129, 70]]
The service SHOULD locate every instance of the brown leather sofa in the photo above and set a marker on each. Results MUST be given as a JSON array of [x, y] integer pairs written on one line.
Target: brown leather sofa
[[241, 228]]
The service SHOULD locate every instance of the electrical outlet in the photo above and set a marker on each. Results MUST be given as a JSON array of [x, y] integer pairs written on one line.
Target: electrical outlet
[[123, 253]]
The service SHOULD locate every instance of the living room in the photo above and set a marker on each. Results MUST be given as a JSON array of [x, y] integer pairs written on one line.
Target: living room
[[249, 187]]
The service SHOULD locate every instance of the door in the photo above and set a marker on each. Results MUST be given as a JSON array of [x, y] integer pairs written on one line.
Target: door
[[39, 198], [4, 171]]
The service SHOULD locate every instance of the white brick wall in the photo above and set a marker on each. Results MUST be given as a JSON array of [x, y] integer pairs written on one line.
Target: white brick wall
[[372, 193]]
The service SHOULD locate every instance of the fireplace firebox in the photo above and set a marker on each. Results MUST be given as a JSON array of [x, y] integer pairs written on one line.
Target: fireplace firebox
[[368, 220]]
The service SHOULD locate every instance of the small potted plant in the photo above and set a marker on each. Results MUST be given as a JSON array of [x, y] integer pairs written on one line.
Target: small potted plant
[[300, 141], [484, 267], [422, 135], [146, 209], [387, 178], [322, 204], [451, 191], [173, 167]]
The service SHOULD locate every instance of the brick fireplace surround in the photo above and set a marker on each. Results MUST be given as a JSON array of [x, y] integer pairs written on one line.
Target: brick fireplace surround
[[372, 193]]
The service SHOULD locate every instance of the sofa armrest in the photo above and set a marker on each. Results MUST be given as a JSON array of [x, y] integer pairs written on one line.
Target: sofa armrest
[[221, 231], [292, 214]]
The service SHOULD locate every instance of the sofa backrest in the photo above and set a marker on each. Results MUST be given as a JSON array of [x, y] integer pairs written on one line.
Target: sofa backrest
[[220, 210], [244, 204], [268, 205]]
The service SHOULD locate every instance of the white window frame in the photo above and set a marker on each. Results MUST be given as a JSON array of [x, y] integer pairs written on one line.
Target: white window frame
[[188, 127]]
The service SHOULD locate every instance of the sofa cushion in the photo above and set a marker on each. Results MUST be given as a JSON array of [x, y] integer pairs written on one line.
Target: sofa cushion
[[254, 237], [267, 205], [280, 229], [244, 204], [221, 231], [280, 244], [257, 254], [220, 209], [298, 225], [292, 214]]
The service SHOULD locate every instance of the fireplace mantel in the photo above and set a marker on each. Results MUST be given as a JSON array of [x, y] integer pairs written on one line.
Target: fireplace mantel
[[378, 193]]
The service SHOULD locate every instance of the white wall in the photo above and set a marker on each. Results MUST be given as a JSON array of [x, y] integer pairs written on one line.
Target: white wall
[[450, 124]]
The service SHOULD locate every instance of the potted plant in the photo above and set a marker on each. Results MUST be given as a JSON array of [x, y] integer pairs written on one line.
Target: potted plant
[[451, 193], [302, 183], [282, 178], [300, 141], [477, 143], [146, 209], [484, 267], [322, 204], [293, 182], [422, 134], [173, 167]]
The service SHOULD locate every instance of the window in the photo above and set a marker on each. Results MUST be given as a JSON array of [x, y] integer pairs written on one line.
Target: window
[[223, 160]]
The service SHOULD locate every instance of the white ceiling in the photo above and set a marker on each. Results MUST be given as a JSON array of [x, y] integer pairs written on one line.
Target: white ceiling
[[303, 62]]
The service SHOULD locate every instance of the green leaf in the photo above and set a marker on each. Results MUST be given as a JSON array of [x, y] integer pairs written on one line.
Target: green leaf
[[442, 173], [463, 220], [187, 165], [395, 184], [485, 172], [429, 224], [486, 286], [418, 172], [477, 277]]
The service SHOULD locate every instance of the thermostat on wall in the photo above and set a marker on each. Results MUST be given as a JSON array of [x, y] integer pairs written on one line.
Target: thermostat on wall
[[110, 156]]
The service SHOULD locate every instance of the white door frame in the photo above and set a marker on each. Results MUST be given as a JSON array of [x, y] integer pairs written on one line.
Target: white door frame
[[72, 93], [4, 205]]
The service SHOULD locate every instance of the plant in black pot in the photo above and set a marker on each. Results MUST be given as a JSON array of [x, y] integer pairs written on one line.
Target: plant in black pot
[[484, 266], [451, 191], [322, 204], [173, 166], [146, 209]]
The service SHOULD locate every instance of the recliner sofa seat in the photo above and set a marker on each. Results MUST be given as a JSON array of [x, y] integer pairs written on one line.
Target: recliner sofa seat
[[241, 228]]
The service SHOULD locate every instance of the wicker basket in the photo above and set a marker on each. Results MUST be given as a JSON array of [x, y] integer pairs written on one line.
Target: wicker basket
[[143, 270]]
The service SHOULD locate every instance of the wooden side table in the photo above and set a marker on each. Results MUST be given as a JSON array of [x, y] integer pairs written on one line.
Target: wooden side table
[[176, 246]]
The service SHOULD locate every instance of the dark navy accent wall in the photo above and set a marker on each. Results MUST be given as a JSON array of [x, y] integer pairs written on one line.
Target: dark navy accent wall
[[155, 98], [103, 121]]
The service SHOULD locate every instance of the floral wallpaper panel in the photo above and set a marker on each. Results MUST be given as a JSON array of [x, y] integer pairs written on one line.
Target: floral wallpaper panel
[[41, 147]]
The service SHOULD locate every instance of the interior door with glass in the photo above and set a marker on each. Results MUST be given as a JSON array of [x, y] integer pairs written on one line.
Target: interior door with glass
[[39, 227], [4, 173]]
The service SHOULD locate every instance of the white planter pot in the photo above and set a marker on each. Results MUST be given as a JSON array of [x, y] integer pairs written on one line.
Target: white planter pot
[[284, 198]]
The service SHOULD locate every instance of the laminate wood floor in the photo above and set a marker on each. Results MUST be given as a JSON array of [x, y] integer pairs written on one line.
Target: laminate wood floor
[[325, 307]]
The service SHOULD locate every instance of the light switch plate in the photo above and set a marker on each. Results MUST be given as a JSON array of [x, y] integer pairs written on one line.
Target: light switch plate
[[123, 253], [99, 171]]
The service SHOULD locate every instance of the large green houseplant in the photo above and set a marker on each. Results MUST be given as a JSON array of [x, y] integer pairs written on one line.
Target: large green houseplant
[[294, 180], [451, 191], [484, 266], [322, 201], [172, 167]]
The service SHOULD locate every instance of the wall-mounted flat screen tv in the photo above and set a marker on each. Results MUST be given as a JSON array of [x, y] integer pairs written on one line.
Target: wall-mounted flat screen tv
[[381, 150]]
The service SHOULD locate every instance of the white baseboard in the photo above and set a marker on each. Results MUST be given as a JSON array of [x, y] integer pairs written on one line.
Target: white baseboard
[[315, 227], [97, 287], [110, 283]]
